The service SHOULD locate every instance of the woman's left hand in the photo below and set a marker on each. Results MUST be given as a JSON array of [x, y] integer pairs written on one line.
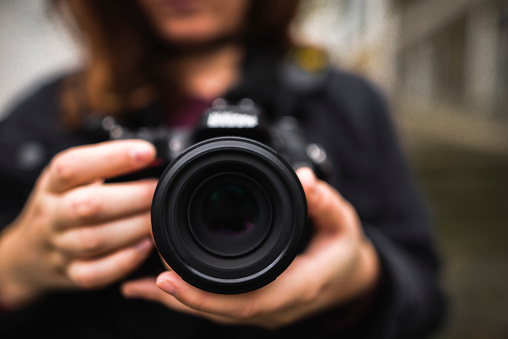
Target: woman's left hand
[[339, 265]]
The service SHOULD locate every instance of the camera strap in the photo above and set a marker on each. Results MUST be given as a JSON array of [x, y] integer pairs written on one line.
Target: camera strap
[[281, 86], [302, 74]]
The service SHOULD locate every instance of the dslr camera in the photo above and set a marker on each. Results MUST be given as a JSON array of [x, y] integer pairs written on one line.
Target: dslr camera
[[229, 213]]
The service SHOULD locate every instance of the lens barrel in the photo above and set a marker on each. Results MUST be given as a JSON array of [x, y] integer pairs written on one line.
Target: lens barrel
[[229, 215]]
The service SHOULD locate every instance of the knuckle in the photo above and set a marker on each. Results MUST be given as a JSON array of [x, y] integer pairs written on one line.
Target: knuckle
[[89, 240], [84, 205], [249, 311], [82, 277], [44, 213], [194, 302], [63, 167], [58, 261], [310, 294]]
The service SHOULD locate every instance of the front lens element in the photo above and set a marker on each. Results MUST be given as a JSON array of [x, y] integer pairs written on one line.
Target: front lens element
[[229, 214], [230, 210]]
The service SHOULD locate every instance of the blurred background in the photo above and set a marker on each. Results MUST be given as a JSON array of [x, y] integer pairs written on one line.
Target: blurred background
[[443, 66]]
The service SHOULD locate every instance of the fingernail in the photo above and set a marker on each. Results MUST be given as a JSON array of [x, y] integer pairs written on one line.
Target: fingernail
[[167, 287], [142, 152], [143, 246]]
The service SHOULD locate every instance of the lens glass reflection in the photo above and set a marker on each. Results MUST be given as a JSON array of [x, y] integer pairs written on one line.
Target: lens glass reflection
[[230, 210]]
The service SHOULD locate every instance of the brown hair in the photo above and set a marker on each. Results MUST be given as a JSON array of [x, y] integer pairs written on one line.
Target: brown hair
[[126, 61]]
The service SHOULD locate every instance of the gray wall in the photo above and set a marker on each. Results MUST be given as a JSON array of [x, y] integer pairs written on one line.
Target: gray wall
[[34, 46]]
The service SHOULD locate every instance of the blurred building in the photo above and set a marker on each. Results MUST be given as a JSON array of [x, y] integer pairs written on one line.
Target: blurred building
[[359, 35], [452, 63], [34, 46], [445, 63], [455, 52]]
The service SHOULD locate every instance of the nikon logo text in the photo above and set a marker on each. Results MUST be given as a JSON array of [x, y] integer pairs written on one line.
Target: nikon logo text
[[230, 119]]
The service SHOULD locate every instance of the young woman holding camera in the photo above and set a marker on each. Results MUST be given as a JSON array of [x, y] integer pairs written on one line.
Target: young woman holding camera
[[76, 253]]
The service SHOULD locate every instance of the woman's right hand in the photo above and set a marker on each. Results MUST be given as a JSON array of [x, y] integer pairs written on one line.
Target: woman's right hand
[[76, 231]]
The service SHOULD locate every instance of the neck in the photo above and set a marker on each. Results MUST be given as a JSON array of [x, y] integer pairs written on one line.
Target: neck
[[209, 73]]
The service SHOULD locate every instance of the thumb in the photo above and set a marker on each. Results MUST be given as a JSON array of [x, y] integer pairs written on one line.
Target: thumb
[[328, 210]]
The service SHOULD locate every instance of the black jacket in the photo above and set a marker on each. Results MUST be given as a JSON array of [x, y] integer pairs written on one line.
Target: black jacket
[[343, 113]]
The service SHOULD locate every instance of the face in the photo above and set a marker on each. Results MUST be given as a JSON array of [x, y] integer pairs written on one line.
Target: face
[[195, 21]]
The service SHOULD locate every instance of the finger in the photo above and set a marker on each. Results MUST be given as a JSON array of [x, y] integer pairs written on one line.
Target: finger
[[85, 164], [144, 288], [100, 239], [242, 307], [103, 271], [196, 299], [147, 289], [274, 305], [98, 203], [327, 208]]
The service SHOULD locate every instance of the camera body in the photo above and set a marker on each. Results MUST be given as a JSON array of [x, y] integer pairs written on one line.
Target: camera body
[[229, 213]]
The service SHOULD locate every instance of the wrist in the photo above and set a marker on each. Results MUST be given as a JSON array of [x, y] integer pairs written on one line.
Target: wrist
[[14, 291], [370, 268], [348, 315], [362, 277]]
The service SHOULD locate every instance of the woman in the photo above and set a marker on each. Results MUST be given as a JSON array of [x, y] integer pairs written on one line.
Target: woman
[[74, 252]]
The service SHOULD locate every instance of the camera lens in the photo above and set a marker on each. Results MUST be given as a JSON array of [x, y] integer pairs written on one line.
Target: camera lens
[[230, 210], [229, 215]]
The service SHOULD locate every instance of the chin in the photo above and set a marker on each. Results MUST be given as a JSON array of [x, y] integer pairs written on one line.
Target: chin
[[187, 34]]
